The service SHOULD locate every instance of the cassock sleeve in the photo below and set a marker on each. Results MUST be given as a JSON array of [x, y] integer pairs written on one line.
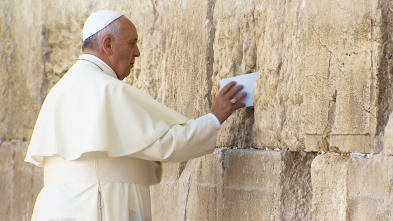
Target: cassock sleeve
[[182, 142]]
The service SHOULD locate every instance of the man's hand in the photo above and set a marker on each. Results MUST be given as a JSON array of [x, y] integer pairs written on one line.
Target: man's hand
[[225, 103]]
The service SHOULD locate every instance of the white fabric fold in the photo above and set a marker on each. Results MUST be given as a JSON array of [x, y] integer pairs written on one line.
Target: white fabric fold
[[89, 110]]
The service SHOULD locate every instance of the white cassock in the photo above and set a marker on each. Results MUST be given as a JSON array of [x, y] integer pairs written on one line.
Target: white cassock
[[98, 139]]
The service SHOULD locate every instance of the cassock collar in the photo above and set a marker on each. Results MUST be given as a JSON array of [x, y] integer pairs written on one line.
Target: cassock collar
[[99, 63]]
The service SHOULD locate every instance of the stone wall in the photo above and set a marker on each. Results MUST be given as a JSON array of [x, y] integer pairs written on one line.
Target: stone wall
[[317, 145]]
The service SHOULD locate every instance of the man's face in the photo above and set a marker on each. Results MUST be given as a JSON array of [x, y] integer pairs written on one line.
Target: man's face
[[125, 49]]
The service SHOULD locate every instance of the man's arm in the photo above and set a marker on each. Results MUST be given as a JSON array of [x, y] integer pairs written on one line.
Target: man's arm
[[183, 142], [197, 137]]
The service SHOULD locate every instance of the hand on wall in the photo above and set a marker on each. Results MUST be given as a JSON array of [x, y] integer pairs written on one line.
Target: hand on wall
[[226, 102]]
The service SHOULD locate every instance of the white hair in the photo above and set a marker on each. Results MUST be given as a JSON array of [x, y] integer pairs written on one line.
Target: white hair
[[93, 42]]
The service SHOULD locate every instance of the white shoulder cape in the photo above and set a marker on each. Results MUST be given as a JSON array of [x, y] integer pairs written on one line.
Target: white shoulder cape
[[90, 110]]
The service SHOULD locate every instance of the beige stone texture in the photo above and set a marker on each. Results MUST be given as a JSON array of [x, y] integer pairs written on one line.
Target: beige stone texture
[[190, 190], [237, 185], [328, 177], [184, 82], [234, 51], [352, 187], [346, 99], [370, 188], [280, 40], [6, 184], [21, 69], [20, 182]]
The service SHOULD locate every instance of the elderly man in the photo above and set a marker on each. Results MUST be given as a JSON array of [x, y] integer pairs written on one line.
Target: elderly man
[[99, 138]]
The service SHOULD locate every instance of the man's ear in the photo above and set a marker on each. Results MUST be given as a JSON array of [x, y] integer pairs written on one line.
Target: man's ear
[[107, 45]]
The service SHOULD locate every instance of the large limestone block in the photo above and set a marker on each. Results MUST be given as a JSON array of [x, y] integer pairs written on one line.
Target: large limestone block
[[278, 96], [22, 78], [234, 51], [346, 84], [185, 70], [237, 185], [205, 188], [170, 205], [189, 190], [251, 178], [328, 177], [278, 182], [20, 184], [352, 188], [237, 205], [370, 188], [201, 201]]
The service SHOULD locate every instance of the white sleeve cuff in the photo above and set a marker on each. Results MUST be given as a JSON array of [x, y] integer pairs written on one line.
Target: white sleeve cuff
[[216, 121]]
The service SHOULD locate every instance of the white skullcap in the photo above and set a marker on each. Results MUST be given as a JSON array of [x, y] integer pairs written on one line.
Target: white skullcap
[[98, 21]]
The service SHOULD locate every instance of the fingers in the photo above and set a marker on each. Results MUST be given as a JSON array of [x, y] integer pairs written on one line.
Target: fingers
[[231, 94], [227, 101], [227, 87], [240, 96], [238, 106], [234, 91], [229, 90]]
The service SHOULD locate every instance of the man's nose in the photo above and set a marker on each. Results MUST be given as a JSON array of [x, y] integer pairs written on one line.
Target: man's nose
[[136, 52]]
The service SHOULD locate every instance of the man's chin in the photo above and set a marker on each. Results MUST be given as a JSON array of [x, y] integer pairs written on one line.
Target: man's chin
[[125, 75]]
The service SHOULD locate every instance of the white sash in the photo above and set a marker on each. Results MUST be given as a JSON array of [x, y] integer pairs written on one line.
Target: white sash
[[95, 168]]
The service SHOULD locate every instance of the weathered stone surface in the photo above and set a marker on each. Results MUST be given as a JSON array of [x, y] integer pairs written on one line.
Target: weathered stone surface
[[352, 188], [234, 51], [252, 177], [274, 176], [370, 185], [196, 182], [175, 195], [20, 184], [296, 186], [201, 203], [346, 101], [237, 205], [185, 81], [221, 186], [61, 37], [367, 208], [328, 177], [6, 178], [21, 68], [278, 98]]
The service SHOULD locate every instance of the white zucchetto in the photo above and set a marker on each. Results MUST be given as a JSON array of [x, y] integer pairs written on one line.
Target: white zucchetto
[[98, 21]]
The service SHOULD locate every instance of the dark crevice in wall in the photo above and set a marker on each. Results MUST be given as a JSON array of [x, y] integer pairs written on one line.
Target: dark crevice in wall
[[211, 31], [384, 71], [46, 52]]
